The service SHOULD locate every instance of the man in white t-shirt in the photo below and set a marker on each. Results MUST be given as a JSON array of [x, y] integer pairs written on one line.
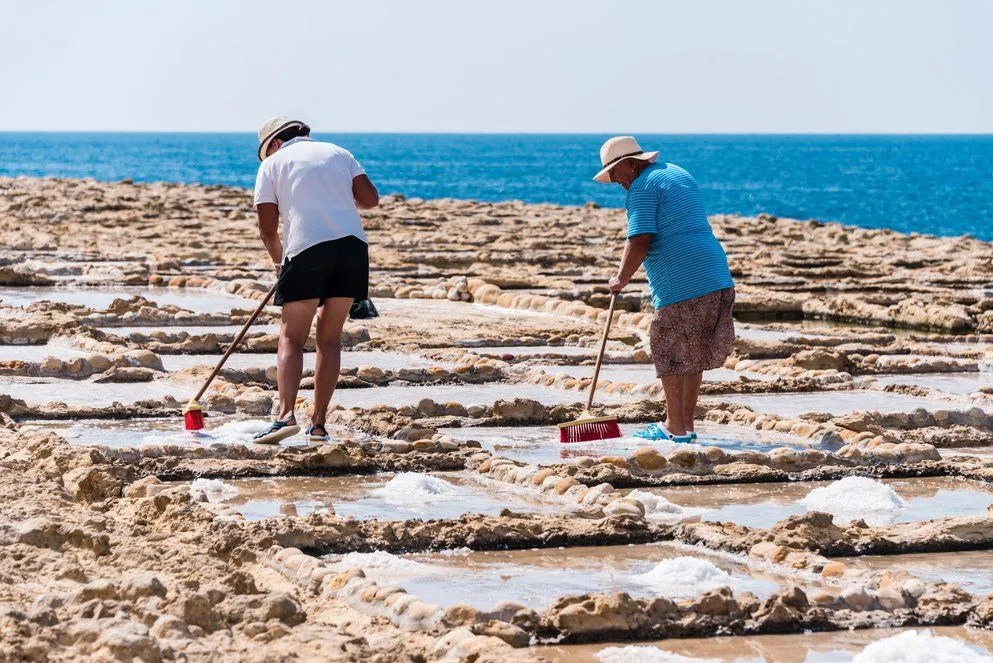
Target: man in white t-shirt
[[322, 261]]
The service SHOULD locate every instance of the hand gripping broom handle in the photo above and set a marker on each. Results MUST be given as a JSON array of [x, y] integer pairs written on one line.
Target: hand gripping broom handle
[[237, 340], [603, 346]]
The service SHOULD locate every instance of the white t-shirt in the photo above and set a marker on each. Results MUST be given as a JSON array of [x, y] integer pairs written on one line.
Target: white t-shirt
[[311, 184]]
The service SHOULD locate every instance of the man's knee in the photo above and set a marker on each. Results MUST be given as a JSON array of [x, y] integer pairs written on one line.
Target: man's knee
[[328, 339], [290, 343]]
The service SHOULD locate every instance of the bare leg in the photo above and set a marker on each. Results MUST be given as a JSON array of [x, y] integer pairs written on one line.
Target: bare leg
[[293, 333], [330, 320], [691, 393], [672, 385]]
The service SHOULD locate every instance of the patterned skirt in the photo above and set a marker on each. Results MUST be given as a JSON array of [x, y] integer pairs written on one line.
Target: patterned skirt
[[693, 335]]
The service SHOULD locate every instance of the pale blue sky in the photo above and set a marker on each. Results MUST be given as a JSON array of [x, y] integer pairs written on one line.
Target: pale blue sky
[[511, 65]]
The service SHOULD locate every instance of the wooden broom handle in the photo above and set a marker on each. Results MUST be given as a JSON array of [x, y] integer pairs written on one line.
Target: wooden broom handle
[[603, 347], [237, 340]]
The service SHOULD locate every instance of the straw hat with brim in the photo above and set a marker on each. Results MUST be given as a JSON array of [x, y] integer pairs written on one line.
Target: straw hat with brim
[[271, 128], [616, 150]]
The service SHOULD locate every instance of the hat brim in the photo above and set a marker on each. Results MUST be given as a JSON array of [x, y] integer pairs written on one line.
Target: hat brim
[[264, 143], [604, 175]]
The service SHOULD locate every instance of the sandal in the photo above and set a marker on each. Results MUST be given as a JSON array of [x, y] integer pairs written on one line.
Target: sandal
[[660, 432], [314, 436], [672, 437], [651, 432], [277, 431]]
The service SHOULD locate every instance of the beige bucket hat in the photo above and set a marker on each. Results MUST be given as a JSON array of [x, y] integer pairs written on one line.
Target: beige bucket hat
[[273, 126], [617, 149]]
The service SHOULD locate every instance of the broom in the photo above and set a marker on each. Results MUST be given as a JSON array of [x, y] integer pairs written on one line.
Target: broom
[[193, 413], [589, 428]]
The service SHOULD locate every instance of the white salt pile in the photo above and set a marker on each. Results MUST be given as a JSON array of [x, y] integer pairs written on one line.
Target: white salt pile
[[238, 431], [233, 432], [855, 498], [659, 508], [921, 647], [684, 577], [381, 565], [214, 490], [635, 654], [415, 489]]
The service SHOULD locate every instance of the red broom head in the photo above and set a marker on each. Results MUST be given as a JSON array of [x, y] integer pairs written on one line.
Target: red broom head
[[193, 419], [590, 431], [193, 416]]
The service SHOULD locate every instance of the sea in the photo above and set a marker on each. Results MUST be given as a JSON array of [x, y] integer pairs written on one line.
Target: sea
[[931, 184]]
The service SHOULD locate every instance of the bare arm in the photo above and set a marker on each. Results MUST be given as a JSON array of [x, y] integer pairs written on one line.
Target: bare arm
[[269, 231], [634, 254], [365, 193]]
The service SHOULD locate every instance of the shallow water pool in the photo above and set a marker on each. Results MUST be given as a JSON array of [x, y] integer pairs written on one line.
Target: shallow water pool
[[753, 332], [37, 391], [640, 373], [540, 444], [970, 570], [470, 394], [193, 330], [388, 361], [511, 351], [832, 647], [961, 384], [127, 433], [763, 505], [443, 309], [385, 496], [537, 577], [838, 402], [191, 299], [36, 353]]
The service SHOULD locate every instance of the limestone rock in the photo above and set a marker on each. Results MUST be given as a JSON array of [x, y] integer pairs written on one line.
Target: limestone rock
[[589, 616], [139, 488], [625, 507], [254, 402], [512, 635], [127, 374], [91, 484], [519, 410], [648, 458], [140, 584]]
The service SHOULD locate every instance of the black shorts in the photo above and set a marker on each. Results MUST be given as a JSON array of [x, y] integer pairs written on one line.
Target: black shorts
[[338, 268]]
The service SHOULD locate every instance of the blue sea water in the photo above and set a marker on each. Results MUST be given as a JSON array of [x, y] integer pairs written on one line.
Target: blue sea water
[[929, 184]]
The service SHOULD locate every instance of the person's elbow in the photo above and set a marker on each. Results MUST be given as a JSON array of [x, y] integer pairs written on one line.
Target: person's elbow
[[641, 242], [365, 193], [369, 201]]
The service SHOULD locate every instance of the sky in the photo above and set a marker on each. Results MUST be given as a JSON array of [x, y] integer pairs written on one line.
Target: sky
[[641, 66]]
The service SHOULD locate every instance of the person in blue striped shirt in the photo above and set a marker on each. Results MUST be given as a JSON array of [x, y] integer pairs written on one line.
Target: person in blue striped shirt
[[687, 269]]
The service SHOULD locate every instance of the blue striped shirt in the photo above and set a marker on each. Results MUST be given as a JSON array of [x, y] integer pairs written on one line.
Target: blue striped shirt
[[684, 260]]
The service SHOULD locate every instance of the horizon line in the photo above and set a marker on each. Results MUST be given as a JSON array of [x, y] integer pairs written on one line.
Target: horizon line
[[511, 133]]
